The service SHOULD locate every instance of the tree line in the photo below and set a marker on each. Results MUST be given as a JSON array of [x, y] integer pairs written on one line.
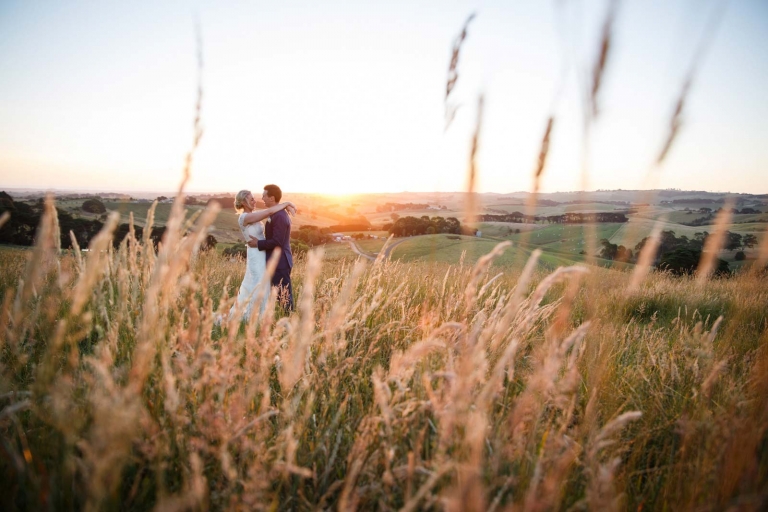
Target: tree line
[[20, 229], [565, 218], [424, 225]]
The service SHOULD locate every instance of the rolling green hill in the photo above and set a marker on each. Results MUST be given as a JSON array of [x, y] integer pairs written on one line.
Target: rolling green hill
[[450, 249], [566, 238]]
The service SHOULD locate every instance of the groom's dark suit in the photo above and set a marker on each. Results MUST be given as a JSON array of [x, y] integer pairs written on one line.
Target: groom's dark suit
[[278, 234]]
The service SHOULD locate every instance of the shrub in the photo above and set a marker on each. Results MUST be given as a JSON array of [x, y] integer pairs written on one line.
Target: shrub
[[239, 250], [298, 247], [94, 206], [210, 243]]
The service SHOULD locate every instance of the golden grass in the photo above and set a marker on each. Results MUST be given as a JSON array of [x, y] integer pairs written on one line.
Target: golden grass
[[392, 387]]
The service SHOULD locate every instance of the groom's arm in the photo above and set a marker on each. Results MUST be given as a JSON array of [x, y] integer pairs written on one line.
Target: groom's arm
[[281, 233]]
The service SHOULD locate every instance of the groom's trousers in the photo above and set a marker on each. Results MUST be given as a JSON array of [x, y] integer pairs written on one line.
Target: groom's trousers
[[282, 279]]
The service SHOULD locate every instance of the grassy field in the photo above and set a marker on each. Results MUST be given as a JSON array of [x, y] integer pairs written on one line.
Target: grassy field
[[630, 233], [506, 229], [407, 384], [679, 216], [569, 238], [339, 251], [452, 249]]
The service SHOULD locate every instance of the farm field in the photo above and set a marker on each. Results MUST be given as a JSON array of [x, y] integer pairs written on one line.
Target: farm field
[[338, 251], [630, 233], [679, 216], [569, 238], [506, 229], [452, 249]]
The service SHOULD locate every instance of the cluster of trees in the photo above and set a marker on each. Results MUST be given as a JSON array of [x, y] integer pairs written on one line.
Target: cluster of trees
[[735, 211], [680, 254], [21, 227], [615, 252], [566, 218], [424, 225], [701, 221], [311, 235], [692, 200], [685, 260], [514, 217], [583, 218]]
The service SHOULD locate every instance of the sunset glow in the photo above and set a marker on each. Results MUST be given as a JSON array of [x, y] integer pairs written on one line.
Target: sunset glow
[[347, 97]]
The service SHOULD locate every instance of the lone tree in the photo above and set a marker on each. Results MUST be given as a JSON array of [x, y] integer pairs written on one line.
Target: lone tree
[[732, 241], [210, 243], [749, 241], [94, 206], [6, 201], [609, 250]]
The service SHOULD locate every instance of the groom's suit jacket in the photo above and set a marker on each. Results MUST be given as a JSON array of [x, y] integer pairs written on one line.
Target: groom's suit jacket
[[278, 234]]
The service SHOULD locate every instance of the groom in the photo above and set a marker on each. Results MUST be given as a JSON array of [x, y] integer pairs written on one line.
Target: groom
[[278, 234]]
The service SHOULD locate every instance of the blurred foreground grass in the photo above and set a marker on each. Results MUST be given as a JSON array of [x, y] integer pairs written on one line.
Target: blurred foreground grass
[[394, 386]]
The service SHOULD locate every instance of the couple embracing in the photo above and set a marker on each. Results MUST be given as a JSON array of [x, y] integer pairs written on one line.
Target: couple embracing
[[262, 244]]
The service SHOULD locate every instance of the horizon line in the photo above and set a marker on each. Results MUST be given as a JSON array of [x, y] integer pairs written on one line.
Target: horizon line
[[347, 194]]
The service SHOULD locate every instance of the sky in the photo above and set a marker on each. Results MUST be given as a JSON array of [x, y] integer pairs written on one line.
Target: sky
[[346, 97]]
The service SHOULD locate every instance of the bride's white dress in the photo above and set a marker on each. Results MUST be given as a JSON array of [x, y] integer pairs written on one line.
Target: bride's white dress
[[253, 286]]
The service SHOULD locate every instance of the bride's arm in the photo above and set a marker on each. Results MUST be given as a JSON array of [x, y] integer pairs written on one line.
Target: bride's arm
[[260, 215]]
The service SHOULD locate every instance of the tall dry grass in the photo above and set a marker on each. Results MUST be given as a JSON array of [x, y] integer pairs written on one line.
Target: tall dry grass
[[392, 387]]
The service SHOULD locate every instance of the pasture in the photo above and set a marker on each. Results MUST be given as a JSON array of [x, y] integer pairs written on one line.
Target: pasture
[[568, 238]]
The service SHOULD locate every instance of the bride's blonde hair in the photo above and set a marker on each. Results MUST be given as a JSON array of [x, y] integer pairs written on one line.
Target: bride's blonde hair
[[240, 200]]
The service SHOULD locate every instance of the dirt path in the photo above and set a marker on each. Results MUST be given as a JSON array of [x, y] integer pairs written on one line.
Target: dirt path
[[357, 250], [387, 250]]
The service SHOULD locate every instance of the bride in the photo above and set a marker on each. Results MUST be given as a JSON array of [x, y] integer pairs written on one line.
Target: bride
[[249, 220]]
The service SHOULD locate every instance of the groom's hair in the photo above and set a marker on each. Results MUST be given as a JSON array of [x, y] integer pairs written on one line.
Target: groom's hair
[[274, 191]]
